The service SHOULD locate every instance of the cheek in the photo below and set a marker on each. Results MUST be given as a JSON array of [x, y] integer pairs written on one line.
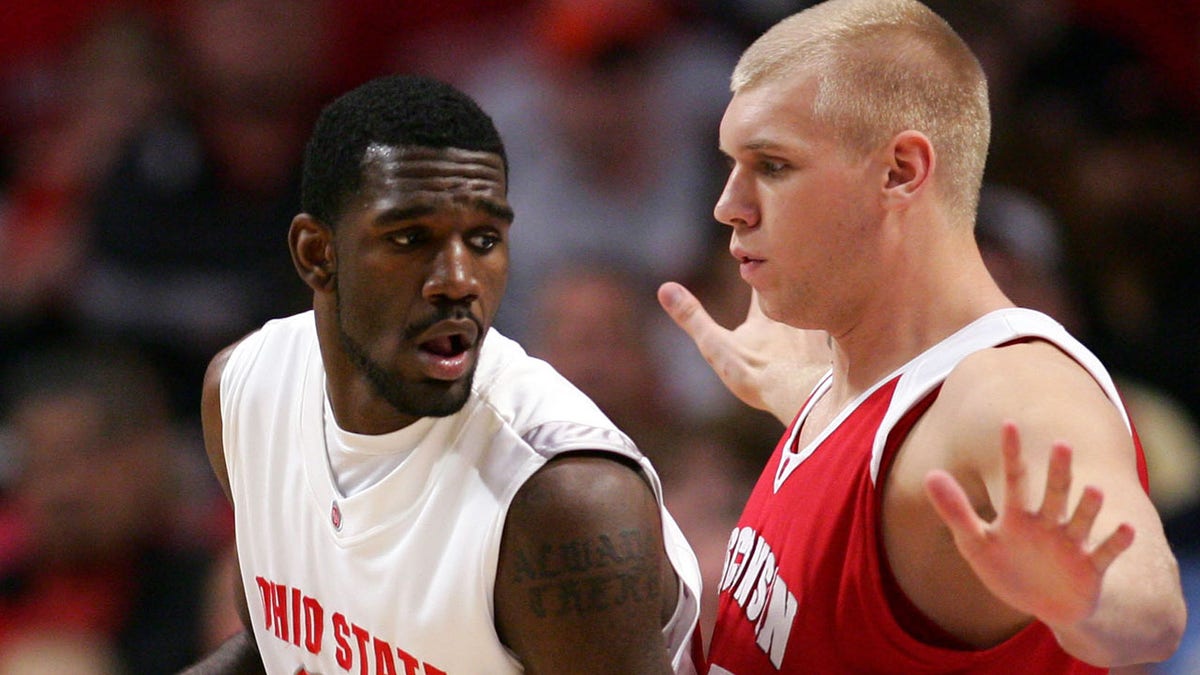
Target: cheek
[[493, 276], [369, 295]]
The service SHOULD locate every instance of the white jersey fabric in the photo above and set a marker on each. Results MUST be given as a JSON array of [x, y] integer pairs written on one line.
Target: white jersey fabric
[[398, 577]]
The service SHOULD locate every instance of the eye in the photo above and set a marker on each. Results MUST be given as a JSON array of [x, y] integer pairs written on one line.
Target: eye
[[484, 240], [772, 167], [409, 237]]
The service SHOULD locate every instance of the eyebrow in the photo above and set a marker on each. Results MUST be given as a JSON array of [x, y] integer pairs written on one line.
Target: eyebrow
[[503, 212], [406, 213], [762, 144], [756, 145], [415, 211]]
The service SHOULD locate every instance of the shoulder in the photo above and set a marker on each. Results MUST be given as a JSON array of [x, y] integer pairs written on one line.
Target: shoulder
[[1023, 378], [1035, 384], [587, 501], [527, 393], [234, 362], [277, 342], [583, 485]]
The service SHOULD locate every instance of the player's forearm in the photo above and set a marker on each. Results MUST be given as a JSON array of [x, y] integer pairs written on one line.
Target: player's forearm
[[237, 656], [1140, 618]]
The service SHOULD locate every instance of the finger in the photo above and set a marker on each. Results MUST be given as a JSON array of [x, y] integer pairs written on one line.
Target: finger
[[1116, 544], [951, 504], [1058, 484], [684, 309], [1015, 472], [687, 312], [1085, 514]]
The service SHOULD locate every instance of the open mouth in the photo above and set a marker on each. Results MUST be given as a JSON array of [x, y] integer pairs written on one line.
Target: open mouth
[[446, 348], [446, 345]]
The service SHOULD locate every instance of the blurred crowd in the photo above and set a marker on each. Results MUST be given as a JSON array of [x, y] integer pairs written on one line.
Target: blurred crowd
[[149, 163]]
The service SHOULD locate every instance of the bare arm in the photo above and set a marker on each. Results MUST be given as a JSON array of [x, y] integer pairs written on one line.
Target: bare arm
[[583, 583], [1076, 541], [768, 365], [239, 654]]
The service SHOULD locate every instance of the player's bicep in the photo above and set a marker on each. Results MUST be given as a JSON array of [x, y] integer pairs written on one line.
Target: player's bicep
[[210, 418], [583, 579], [1051, 400]]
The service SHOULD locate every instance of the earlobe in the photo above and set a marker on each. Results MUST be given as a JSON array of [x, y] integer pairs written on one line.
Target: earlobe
[[911, 164], [311, 245]]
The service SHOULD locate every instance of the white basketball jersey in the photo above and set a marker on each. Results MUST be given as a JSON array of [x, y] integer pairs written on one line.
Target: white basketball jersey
[[398, 578]]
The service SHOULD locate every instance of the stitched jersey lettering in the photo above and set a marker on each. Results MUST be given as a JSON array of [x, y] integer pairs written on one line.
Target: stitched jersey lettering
[[298, 619], [751, 578]]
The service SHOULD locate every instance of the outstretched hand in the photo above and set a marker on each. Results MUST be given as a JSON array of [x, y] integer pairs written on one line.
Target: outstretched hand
[[768, 365], [1038, 561]]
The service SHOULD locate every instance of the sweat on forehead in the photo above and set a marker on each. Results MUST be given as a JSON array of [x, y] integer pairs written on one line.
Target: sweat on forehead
[[420, 168], [414, 160]]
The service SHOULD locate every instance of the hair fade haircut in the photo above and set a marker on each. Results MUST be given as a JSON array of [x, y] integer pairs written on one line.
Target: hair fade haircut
[[398, 111], [882, 67]]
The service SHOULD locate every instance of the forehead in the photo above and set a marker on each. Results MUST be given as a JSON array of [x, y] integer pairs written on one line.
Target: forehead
[[452, 175], [776, 112]]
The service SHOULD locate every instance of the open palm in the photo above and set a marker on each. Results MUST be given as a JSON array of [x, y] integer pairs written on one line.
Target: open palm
[[1037, 561]]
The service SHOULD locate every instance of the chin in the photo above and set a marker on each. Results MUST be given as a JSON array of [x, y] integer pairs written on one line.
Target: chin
[[428, 398]]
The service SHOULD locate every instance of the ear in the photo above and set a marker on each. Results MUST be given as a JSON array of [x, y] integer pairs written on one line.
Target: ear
[[311, 244], [910, 164]]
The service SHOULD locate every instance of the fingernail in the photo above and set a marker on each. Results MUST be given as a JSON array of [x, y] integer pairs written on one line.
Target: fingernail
[[671, 295]]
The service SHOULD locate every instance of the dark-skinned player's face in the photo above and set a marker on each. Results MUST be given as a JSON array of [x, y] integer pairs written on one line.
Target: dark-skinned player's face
[[422, 262]]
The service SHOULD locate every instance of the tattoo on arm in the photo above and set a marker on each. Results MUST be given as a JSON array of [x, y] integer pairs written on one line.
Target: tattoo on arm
[[584, 576]]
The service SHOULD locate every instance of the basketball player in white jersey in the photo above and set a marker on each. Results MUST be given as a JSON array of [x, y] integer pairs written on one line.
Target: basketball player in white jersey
[[412, 493]]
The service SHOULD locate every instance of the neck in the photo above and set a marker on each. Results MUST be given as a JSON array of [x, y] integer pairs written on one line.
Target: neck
[[929, 297]]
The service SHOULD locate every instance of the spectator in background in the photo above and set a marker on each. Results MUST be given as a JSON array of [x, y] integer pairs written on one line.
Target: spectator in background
[[66, 124], [186, 232], [593, 321], [609, 110], [109, 526], [1130, 203]]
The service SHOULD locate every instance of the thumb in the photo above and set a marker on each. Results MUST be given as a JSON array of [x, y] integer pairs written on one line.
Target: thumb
[[714, 342], [687, 312]]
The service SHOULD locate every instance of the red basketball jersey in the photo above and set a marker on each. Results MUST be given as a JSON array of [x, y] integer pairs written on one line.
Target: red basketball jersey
[[804, 585]]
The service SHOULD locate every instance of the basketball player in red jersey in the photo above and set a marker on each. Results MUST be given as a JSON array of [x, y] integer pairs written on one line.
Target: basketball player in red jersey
[[959, 488]]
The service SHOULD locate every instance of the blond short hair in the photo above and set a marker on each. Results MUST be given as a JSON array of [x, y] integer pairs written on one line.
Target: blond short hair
[[883, 67]]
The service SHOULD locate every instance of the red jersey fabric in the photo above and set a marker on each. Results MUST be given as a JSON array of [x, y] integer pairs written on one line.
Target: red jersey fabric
[[806, 586]]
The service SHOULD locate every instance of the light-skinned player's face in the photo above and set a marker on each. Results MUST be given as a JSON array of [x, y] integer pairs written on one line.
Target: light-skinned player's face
[[803, 209], [422, 265]]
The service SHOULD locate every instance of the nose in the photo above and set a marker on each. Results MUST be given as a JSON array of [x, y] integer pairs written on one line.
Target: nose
[[735, 206], [453, 274]]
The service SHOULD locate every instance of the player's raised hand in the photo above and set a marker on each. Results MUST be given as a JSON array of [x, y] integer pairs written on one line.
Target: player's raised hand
[[1039, 559], [766, 364]]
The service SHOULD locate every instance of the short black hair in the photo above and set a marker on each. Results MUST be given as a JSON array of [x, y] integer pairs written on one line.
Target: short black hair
[[395, 110]]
